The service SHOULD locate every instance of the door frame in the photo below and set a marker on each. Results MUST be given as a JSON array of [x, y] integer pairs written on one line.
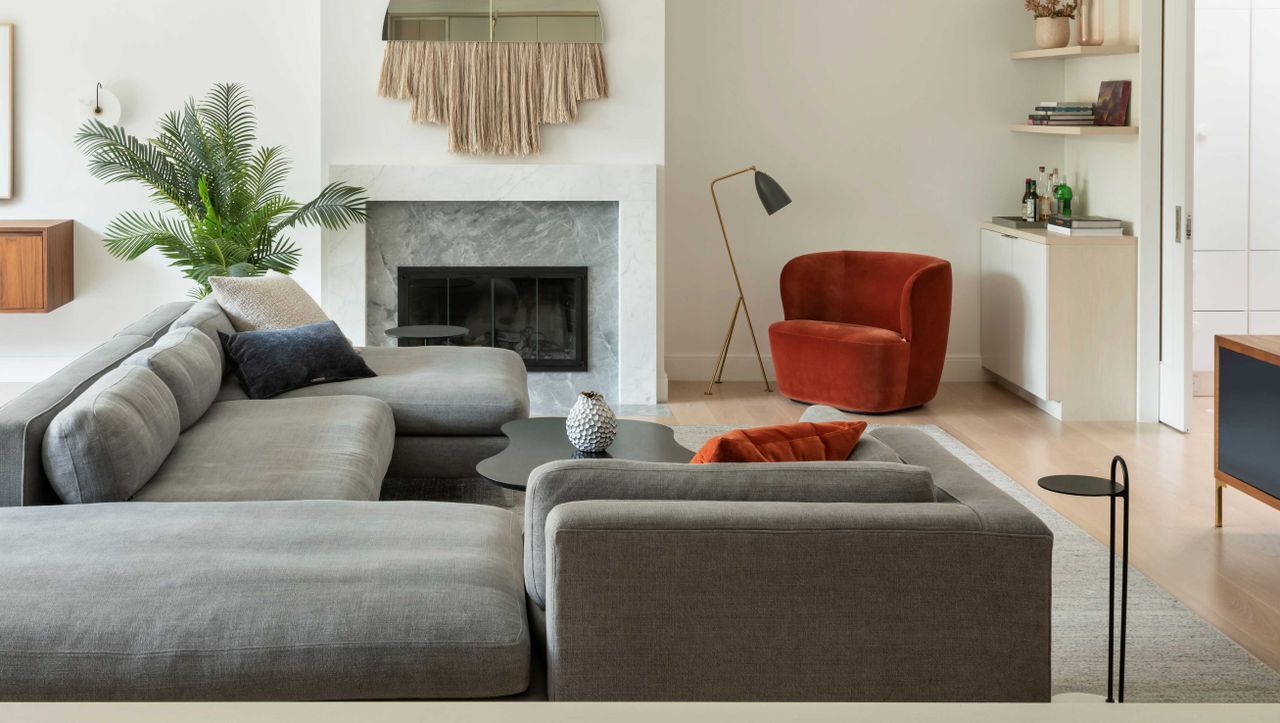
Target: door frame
[[1176, 202]]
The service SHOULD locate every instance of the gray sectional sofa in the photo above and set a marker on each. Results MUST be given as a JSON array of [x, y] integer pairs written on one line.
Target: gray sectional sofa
[[899, 576], [432, 413]]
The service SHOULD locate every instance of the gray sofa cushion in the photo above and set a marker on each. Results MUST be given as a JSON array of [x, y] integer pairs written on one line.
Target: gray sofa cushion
[[190, 365], [440, 391], [208, 317], [264, 601], [336, 448], [820, 482], [157, 323], [870, 449], [24, 420], [110, 441]]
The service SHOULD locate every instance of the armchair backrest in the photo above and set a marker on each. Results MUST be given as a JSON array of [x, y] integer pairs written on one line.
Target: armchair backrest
[[871, 288]]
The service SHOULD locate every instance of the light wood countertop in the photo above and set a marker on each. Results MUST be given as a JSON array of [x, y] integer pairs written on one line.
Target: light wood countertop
[[1043, 237]]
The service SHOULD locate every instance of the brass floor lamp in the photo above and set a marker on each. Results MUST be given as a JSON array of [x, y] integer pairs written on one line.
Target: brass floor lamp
[[774, 199]]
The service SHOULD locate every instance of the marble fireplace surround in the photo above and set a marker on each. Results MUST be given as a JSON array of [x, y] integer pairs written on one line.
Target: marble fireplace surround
[[633, 188]]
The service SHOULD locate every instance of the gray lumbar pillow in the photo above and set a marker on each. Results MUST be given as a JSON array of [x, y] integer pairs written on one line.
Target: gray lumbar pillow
[[111, 440], [207, 316], [190, 365]]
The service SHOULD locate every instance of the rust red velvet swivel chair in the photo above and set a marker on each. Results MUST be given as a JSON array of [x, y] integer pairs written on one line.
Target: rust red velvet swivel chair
[[865, 331]]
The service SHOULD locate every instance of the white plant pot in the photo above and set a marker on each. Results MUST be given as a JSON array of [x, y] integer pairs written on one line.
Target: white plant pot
[[591, 425], [1053, 32]]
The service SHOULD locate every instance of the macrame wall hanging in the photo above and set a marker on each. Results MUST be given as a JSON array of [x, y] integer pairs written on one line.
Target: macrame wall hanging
[[493, 71]]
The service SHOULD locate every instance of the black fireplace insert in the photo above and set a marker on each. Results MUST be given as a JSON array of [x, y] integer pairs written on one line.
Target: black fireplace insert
[[538, 312]]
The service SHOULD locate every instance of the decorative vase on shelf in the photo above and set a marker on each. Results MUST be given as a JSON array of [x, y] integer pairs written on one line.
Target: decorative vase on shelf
[[1090, 21], [1053, 32], [591, 425]]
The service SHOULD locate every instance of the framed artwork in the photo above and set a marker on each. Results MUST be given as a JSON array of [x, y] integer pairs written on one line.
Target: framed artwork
[[6, 110], [1112, 108]]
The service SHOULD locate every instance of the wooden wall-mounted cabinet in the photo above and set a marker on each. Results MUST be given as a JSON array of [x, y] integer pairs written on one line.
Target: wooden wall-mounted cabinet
[[37, 266]]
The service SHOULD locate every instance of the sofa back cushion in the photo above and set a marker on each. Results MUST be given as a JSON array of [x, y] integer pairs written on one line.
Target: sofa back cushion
[[190, 365], [25, 419], [111, 440], [807, 482], [207, 316]]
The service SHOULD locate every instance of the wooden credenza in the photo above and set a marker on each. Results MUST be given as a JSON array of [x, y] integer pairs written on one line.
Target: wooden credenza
[[37, 266], [1247, 418], [1059, 320]]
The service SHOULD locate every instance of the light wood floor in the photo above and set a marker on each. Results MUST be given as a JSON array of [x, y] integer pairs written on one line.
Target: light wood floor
[[1230, 577]]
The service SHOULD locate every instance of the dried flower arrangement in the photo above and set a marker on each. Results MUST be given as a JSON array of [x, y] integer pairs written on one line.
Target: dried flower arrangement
[[1052, 8]]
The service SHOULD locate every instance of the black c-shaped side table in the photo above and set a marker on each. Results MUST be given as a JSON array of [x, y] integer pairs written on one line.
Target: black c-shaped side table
[[1081, 486]]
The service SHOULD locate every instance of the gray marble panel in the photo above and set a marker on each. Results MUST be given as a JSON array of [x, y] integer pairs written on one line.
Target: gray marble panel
[[505, 233]]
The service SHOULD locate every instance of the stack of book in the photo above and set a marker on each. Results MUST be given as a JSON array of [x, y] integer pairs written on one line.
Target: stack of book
[[1085, 226], [1062, 113]]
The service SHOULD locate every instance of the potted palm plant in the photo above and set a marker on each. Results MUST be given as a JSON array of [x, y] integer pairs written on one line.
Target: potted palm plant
[[1053, 21], [225, 212]]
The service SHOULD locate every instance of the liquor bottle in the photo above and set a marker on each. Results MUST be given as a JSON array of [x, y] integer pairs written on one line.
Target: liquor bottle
[[1064, 195], [1030, 202], [1055, 180], [1044, 203]]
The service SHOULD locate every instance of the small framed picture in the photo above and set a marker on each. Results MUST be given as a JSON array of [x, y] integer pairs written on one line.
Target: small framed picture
[[6, 110]]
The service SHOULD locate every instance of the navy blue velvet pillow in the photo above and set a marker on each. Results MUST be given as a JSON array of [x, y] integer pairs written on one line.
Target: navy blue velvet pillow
[[270, 363]]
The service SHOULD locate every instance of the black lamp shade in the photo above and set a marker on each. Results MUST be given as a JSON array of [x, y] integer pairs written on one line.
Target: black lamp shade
[[772, 196]]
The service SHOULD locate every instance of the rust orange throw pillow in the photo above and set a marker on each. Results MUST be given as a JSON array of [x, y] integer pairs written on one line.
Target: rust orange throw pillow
[[804, 442]]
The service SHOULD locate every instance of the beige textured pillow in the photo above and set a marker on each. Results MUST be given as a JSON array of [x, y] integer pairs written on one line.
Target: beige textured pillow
[[265, 303]]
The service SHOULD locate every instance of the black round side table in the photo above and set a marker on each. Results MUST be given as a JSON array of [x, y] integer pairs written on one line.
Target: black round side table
[[424, 335], [1082, 486]]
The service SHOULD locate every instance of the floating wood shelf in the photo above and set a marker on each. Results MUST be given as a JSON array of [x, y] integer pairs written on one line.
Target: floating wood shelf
[[37, 266], [1075, 130], [1076, 51]]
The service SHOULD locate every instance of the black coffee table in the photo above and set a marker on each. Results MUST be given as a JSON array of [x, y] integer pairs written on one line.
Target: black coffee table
[[535, 442], [424, 335]]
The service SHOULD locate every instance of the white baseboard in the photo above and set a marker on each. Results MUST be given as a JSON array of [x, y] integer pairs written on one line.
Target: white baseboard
[[29, 370], [745, 368]]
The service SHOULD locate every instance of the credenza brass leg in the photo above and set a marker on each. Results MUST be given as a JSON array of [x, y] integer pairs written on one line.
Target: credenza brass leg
[[1218, 506]]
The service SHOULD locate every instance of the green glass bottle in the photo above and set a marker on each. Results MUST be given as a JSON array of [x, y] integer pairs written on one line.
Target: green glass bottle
[[1064, 195]]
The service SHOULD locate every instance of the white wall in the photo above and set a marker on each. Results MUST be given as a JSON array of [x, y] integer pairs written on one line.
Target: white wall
[[362, 129], [312, 67], [886, 121], [154, 54]]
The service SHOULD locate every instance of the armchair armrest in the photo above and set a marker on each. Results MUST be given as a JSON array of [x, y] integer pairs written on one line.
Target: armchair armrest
[[759, 601]]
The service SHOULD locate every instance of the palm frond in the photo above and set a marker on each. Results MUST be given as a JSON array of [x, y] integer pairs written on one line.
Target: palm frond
[[115, 157], [338, 206], [228, 117], [267, 173], [133, 234]]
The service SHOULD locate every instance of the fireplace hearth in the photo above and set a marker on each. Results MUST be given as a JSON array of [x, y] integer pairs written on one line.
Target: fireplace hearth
[[538, 312]]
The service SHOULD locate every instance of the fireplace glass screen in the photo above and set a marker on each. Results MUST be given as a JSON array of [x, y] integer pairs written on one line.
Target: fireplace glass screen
[[539, 313]]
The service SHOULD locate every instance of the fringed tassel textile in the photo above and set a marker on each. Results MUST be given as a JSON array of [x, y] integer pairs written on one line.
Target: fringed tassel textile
[[493, 97]]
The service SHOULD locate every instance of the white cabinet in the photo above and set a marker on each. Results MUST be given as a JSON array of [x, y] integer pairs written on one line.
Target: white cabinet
[[1059, 318], [1015, 307], [1237, 152]]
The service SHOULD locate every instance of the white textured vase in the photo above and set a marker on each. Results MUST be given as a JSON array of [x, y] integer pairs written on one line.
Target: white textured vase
[[591, 425], [1053, 32]]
